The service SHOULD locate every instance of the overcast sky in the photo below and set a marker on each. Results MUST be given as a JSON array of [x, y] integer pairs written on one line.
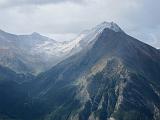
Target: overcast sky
[[64, 19]]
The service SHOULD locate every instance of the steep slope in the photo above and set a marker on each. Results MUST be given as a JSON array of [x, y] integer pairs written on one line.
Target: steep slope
[[116, 77], [15, 100]]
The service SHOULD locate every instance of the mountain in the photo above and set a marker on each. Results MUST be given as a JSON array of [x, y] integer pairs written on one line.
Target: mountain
[[17, 52], [32, 53], [116, 77], [111, 76]]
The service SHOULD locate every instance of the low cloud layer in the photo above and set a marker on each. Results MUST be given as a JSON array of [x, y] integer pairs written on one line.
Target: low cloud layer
[[139, 18]]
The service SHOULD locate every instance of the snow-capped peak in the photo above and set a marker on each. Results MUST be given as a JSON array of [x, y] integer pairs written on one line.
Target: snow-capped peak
[[110, 25], [89, 36]]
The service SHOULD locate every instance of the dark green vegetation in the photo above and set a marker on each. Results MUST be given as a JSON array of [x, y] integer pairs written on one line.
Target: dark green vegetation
[[115, 78]]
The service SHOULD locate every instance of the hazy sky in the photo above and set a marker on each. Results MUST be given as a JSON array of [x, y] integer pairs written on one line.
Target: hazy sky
[[63, 19]]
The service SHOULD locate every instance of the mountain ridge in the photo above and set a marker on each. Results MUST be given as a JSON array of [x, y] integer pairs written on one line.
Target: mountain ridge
[[117, 55]]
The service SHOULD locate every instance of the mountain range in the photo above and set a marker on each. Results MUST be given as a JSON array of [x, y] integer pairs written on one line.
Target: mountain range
[[103, 74], [35, 53]]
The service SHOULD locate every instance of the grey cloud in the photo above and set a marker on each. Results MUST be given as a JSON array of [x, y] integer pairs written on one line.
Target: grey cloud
[[13, 3], [139, 18], [146, 21], [147, 14]]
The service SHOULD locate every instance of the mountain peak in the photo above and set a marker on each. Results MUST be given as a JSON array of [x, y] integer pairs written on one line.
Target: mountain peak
[[110, 25], [35, 34]]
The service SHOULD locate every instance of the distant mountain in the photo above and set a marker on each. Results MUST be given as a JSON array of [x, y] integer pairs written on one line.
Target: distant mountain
[[111, 76], [17, 52], [30, 53]]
